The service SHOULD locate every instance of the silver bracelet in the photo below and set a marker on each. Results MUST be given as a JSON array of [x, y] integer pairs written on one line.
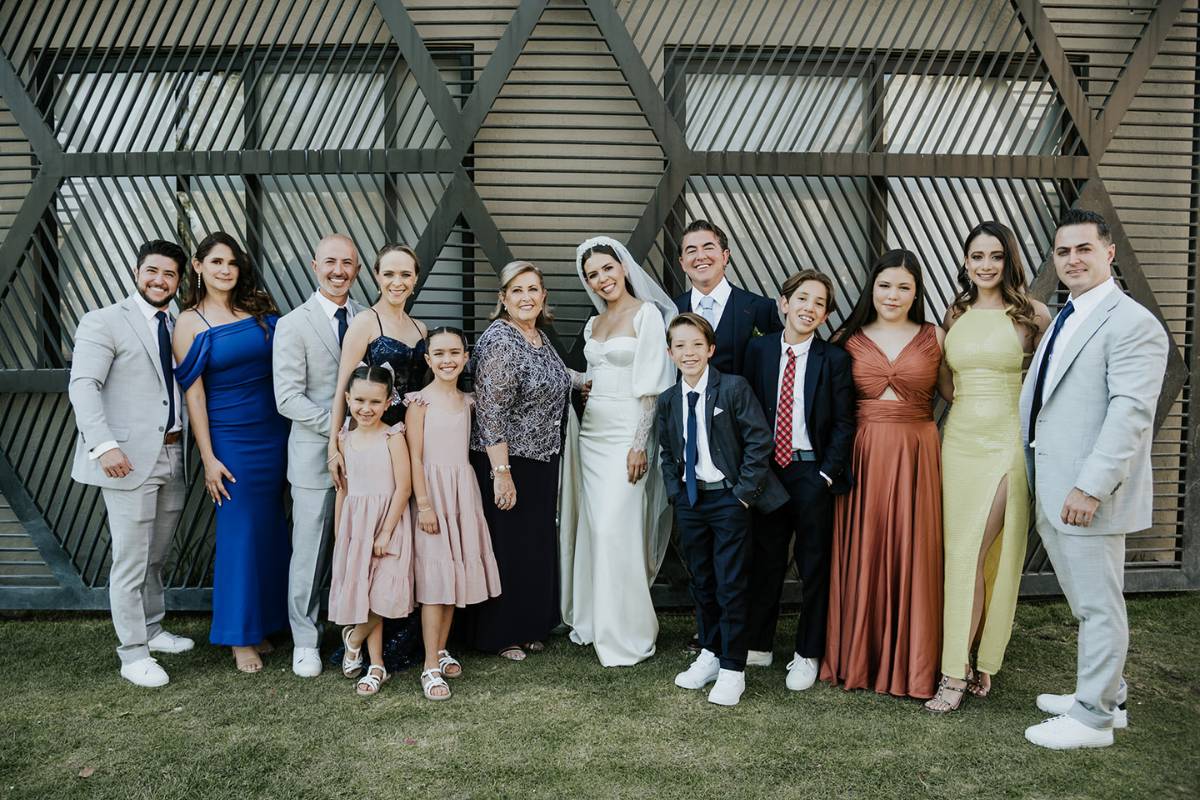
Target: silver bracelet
[[499, 468]]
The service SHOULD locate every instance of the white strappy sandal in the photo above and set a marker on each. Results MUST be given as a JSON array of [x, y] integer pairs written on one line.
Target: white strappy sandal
[[445, 661], [431, 679], [351, 664], [369, 684]]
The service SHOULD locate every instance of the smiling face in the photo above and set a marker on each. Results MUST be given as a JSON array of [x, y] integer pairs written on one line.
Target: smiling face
[[985, 262], [703, 259], [218, 269], [446, 356], [157, 279], [805, 311], [690, 350], [367, 400], [336, 265], [605, 276], [1082, 259], [524, 297], [397, 275], [893, 294]]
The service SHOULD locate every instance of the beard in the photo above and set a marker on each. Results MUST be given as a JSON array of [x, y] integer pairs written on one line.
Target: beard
[[161, 305]]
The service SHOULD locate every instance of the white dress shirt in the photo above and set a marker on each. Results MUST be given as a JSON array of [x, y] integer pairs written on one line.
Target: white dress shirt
[[152, 323], [1084, 305], [800, 440], [330, 308], [719, 294], [706, 470]]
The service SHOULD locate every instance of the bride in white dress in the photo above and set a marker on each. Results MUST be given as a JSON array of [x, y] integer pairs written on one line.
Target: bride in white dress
[[615, 522]]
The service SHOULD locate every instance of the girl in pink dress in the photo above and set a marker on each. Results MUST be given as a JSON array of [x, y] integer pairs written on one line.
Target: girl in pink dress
[[373, 548], [454, 561]]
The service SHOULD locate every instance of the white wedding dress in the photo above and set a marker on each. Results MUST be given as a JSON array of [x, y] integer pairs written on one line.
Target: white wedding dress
[[614, 533]]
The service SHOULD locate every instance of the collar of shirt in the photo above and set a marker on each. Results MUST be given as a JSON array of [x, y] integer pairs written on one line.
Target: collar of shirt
[[148, 311], [1087, 302], [800, 350], [330, 308], [701, 386], [719, 294]]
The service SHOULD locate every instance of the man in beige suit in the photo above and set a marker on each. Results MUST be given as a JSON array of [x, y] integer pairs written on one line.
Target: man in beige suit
[[129, 414], [1087, 409], [308, 346]]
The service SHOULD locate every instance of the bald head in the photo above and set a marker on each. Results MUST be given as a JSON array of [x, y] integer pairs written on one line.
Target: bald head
[[336, 266]]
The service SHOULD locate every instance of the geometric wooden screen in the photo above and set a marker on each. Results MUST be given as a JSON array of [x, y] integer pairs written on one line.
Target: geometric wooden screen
[[818, 134]]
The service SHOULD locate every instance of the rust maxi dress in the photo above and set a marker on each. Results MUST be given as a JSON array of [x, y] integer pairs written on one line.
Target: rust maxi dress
[[885, 589]]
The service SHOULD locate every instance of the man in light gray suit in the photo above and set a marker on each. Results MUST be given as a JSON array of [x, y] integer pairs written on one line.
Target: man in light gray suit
[[308, 346], [1087, 411], [129, 414]]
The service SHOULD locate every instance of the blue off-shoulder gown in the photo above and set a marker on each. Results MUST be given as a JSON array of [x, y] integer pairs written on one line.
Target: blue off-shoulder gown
[[249, 437]]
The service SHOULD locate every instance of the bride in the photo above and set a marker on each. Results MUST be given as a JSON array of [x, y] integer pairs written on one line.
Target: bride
[[615, 520]]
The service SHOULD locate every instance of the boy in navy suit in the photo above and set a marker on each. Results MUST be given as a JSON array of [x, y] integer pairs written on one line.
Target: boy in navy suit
[[734, 314], [806, 388], [715, 445]]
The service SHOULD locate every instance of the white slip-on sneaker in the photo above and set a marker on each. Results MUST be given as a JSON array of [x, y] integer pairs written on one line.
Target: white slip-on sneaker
[[306, 662], [1067, 733], [166, 642], [802, 673], [146, 673], [759, 658], [1061, 704], [727, 691], [701, 673]]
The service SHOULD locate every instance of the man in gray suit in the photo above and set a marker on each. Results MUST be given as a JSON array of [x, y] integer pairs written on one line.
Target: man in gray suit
[[1087, 411], [129, 414], [308, 346]]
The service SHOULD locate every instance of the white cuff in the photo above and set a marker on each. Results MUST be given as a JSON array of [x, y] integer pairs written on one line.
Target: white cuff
[[828, 480], [101, 449]]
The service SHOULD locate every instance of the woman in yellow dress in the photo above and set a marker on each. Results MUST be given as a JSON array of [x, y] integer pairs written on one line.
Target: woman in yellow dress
[[992, 326]]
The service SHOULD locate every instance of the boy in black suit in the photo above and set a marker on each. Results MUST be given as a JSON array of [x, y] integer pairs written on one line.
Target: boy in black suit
[[806, 388], [714, 450], [734, 314]]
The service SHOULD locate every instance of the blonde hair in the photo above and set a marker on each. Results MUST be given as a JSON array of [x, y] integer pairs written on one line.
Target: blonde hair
[[511, 271]]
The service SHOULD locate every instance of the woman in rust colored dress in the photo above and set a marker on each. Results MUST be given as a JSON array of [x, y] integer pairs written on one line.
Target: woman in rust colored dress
[[885, 593]]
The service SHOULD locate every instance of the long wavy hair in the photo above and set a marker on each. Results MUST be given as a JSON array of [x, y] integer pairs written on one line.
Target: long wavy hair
[[864, 312], [248, 294], [1013, 288]]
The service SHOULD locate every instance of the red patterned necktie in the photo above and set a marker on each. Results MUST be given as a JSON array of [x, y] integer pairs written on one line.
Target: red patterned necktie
[[783, 418]]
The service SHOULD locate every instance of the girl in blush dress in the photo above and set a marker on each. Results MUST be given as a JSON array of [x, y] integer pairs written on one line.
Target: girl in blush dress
[[454, 561], [373, 546], [883, 631]]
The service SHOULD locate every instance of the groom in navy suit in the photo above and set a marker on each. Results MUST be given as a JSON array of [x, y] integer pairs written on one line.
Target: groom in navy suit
[[734, 314], [807, 391]]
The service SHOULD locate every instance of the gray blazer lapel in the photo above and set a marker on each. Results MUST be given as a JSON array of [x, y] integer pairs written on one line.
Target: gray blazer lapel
[[1081, 337], [320, 324], [133, 315]]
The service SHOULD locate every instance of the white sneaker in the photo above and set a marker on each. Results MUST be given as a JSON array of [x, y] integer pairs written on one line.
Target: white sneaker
[[728, 688], [802, 673], [759, 658], [145, 673], [1067, 733], [306, 662], [701, 673], [1061, 704], [166, 642]]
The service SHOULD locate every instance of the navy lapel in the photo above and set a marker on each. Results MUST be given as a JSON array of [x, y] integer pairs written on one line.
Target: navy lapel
[[683, 302], [812, 374], [710, 401], [675, 416], [770, 389]]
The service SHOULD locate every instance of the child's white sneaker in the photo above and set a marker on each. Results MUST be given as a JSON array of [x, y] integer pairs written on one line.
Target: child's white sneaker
[[727, 691], [802, 673], [701, 673]]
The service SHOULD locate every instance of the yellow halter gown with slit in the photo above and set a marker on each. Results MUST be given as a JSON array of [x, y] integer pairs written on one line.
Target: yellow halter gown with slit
[[981, 446]]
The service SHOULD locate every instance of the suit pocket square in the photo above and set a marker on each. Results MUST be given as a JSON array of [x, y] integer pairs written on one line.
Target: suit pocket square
[[717, 410]]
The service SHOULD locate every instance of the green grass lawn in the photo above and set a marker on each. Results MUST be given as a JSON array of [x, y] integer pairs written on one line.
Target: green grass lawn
[[559, 725]]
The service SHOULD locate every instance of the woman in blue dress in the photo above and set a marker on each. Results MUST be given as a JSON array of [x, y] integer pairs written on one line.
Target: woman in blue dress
[[222, 347]]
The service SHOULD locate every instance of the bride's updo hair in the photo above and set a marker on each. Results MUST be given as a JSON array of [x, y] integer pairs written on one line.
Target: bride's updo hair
[[607, 250]]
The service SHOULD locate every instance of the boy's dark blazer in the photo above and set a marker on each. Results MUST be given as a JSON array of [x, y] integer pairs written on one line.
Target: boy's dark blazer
[[739, 441], [829, 400], [744, 314]]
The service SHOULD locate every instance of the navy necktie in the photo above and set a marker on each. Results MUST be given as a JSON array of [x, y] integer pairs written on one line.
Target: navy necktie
[[164, 360], [1040, 384], [691, 451], [343, 325]]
